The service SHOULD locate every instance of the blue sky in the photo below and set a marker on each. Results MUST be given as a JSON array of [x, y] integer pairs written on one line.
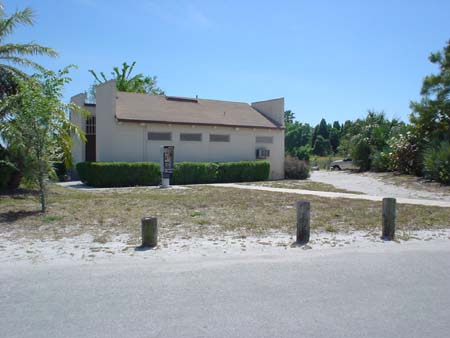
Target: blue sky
[[332, 59]]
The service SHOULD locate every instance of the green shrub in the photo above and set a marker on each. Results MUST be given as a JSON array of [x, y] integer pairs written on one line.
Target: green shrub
[[322, 146], [361, 154], [10, 170], [303, 152], [122, 174], [406, 156], [243, 171], [118, 174], [437, 163], [60, 171], [380, 161], [195, 172], [295, 168], [7, 171]]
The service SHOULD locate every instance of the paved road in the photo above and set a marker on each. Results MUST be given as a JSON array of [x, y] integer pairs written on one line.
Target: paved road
[[437, 203], [396, 290]]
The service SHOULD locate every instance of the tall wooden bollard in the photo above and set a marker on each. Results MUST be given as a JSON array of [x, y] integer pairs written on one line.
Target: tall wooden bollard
[[303, 220], [389, 215], [149, 232]]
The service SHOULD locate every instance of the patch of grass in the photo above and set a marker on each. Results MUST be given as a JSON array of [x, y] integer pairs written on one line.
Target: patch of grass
[[330, 228], [196, 213], [110, 213], [51, 218]]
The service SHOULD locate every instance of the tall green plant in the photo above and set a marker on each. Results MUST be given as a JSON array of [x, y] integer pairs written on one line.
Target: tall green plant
[[127, 83], [17, 54], [431, 115], [38, 128], [437, 163]]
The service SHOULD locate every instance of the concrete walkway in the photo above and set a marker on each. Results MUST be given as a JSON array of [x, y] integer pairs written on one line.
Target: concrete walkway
[[328, 194]]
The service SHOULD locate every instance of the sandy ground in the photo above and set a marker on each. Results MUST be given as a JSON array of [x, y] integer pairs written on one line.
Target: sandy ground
[[372, 185], [84, 249]]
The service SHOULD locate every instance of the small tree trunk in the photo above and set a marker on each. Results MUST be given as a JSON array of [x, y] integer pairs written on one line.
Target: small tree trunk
[[42, 195], [42, 187]]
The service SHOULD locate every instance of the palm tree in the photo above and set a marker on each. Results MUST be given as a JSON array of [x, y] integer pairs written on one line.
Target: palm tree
[[15, 54]]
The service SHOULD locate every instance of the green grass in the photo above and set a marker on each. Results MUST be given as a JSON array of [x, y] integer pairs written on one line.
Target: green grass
[[330, 228], [196, 213], [51, 218]]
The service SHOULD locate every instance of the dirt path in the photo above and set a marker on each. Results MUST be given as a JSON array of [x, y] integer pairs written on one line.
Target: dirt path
[[371, 185]]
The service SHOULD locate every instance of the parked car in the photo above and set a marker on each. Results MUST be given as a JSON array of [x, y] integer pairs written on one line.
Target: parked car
[[346, 163]]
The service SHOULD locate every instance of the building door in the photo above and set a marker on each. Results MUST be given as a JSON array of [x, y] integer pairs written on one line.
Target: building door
[[90, 139]]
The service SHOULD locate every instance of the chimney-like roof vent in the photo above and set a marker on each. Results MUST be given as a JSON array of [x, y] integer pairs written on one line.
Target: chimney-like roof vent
[[181, 99]]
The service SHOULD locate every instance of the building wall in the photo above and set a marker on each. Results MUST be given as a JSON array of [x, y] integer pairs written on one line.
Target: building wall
[[125, 141], [273, 109], [242, 145], [79, 148]]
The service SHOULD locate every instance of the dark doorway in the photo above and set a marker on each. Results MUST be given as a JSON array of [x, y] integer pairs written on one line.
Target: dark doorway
[[90, 139], [90, 148]]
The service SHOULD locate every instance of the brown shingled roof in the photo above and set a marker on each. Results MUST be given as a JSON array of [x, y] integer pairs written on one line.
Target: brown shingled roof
[[134, 107]]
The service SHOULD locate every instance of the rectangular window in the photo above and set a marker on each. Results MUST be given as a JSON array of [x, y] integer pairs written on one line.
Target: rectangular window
[[90, 125], [160, 136], [190, 137], [264, 139], [262, 153], [219, 138]]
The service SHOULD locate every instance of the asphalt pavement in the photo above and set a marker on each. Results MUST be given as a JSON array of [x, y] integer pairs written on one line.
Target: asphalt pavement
[[392, 290]]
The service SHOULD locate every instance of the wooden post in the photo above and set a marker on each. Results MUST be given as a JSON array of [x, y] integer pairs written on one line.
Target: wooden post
[[303, 218], [149, 232], [389, 214]]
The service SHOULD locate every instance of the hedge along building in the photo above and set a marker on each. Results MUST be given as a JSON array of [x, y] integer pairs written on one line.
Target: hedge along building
[[131, 127]]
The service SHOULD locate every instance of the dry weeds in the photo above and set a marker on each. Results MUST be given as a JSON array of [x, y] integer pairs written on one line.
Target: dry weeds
[[198, 211]]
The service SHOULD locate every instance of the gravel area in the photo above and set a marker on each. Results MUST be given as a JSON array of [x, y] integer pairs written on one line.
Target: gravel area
[[371, 185]]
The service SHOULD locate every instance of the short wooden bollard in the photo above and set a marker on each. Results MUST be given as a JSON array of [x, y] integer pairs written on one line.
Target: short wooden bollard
[[389, 215], [149, 232], [303, 220]]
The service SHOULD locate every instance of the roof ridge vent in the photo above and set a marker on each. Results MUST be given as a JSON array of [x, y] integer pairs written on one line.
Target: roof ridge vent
[[181, 99]]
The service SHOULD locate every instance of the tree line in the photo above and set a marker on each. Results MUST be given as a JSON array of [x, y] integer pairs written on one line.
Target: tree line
[[420, 147]]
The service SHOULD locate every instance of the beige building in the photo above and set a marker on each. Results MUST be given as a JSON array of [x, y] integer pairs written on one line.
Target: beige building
[[132, 127]]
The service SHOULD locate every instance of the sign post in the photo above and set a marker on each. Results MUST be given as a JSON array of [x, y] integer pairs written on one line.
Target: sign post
[[166, 162]]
